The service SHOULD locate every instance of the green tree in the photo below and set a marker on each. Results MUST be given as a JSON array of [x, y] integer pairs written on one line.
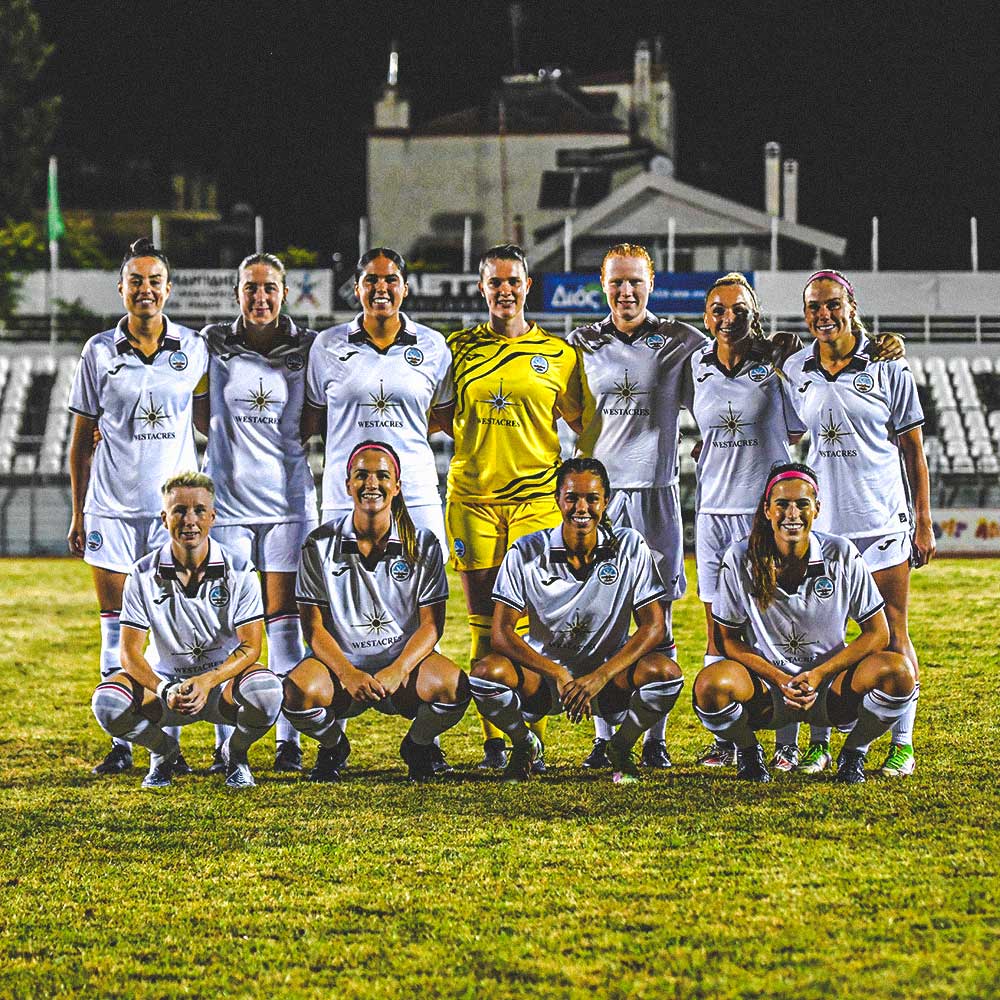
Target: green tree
[[27, 119]]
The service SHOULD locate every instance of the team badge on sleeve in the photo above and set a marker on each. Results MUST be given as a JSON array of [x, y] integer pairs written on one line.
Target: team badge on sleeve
[[219, 595], [178, 361]]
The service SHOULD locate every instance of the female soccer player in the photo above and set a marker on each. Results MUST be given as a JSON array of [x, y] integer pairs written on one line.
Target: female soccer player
[[512, 382], [201, 604], [784, 596], [636, 379], [371, 591], [134, 384], [580, 584], [381, 373], [265, 497], [862, 415], [746, 421]]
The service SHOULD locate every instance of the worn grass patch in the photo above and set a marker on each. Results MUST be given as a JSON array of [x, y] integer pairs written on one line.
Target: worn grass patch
[[687, 885]]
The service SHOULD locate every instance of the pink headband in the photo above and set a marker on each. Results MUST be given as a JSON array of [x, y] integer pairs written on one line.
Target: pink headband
[[374, 447], [830, 276], [792, 474]]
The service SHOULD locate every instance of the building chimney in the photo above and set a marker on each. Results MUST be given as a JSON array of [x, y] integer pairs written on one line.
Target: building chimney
[[772, 179], [790, 190], [392, 110], [642, 88]]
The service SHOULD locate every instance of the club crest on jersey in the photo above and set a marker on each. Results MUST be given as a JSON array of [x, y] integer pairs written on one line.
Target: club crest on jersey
[[178, 361], [413, 356], [94, 540], [219, 595], [459, 546], [399, 569], [539, 364], [295, 362], [759, 372], [863, 382], [607, 573], [655, 341], [823, 587]]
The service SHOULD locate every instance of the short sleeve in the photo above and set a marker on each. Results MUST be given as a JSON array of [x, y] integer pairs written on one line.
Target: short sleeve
[[433, 581], [687, 383], [509, 587], [133, 612], [444, 391], [249, 604], [315, 377], [792, 420], [865, 599], [729, 607], [310, 587], [570, 401], [648, 586], [905, 411], [84, 396]]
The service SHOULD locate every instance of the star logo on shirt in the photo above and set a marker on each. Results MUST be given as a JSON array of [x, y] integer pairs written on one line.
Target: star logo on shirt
[[833, 432], [795, 643], [627, 391], [261, 399], [500, 401], [152, 416], [574, 631], [376, 622], [732, 422], [199, 649], [380, 402]]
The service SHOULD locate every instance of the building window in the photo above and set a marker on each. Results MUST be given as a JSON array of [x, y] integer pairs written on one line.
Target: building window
[[573, 188]]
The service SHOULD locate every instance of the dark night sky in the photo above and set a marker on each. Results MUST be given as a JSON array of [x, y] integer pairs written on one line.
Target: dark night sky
[[892, 109]]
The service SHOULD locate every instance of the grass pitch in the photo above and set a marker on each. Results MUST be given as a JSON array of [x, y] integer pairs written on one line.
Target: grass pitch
[[687, 885]]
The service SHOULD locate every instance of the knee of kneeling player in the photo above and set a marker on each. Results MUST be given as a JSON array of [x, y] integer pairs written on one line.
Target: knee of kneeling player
[[713, 688], [896, 675], [656, 667], [261, 693], [493, 667], [114, 706]]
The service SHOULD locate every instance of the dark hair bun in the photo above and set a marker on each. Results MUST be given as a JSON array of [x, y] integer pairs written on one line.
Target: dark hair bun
[[142, 245]]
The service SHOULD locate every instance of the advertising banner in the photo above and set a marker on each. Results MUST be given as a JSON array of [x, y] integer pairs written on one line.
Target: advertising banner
[[445, 293], [673, 292], [967, 531]]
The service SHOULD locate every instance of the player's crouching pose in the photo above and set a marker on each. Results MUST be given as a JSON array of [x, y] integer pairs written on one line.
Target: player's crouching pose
[[202, 605], [783, 598], [371, 591], [580, 585]]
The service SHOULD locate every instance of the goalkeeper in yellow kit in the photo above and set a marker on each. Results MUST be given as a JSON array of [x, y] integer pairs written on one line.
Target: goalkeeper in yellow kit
[[512, 382]]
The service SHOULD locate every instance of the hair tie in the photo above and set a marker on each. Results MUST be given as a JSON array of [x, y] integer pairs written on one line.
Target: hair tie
[[830, 275], [791, 474], [374, 447]]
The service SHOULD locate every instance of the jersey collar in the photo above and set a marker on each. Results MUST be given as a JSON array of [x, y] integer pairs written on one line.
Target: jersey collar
[[215, 567], [755, 356], [404, 338], [650, 324], [558, 553], [349, 538], [858, 362], [817, 564], [289, 335], [169, 341]]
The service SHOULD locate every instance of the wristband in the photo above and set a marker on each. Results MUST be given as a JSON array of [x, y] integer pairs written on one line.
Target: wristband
[[163, 689]]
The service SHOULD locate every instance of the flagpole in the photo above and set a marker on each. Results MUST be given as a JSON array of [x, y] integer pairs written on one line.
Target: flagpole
[[55, 230]]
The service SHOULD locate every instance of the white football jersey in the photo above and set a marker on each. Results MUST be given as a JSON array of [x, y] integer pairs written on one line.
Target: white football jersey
[[577, 623], [255, 455], [634, 387], [143, 410], [385, 395], [802, 630], [745, 418], [853, 420], [374, 609], [193, 632]]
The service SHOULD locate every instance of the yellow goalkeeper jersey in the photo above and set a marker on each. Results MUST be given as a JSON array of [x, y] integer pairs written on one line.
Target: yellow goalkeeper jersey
[[508, 394]]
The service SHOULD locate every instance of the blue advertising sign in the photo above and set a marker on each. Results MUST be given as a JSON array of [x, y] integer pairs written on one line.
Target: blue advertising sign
[[673, 292]]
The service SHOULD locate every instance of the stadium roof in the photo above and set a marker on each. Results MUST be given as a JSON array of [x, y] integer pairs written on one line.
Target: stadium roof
[[645, 202]]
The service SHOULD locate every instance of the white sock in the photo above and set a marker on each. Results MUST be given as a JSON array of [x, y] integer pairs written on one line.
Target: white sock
[[902, 728], [111, 632], [285, 650], [603, 729]]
